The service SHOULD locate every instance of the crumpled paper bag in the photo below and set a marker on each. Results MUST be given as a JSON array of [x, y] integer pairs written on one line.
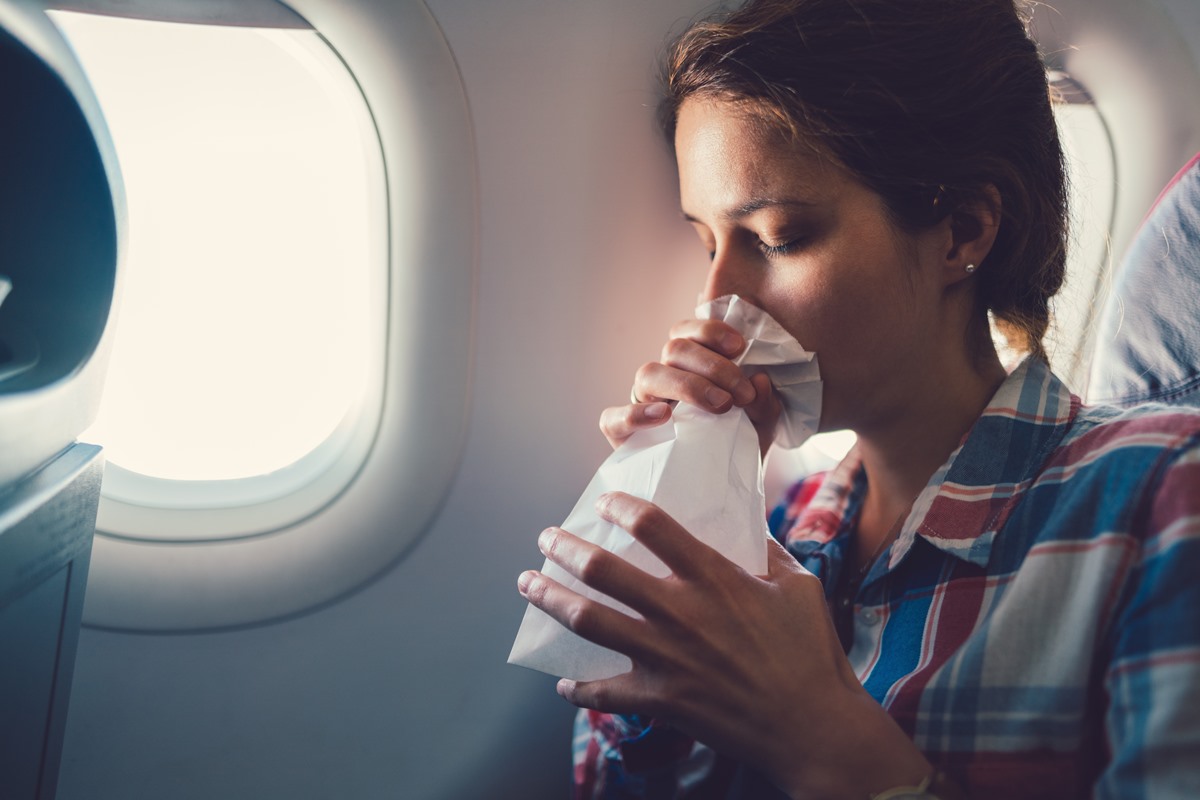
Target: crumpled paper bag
[[703, 469]]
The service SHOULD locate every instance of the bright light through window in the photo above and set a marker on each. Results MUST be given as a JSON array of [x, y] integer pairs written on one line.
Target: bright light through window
[[240, 344], [1091, 194], [1092, 178]]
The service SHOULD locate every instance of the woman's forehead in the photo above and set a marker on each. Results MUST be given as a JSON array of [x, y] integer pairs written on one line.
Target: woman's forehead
[[728, 156]]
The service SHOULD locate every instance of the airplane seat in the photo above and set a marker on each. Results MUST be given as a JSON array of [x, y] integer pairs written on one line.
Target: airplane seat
[[60, 229], [61, 232], [1148, 332]]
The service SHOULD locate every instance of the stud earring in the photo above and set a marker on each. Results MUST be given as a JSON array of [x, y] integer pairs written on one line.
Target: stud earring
[[970, 268], [939, 197]]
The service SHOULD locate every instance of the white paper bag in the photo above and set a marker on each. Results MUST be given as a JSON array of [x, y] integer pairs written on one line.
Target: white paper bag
[[703, 469]]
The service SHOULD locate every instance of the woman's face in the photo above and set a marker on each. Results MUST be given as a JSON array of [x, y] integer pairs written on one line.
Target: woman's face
[[800, 238]]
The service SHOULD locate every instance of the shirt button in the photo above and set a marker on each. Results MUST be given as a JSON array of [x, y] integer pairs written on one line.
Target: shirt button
[[868, 616]]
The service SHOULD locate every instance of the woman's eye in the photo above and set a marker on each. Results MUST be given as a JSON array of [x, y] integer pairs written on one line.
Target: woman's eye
[[782, 249]]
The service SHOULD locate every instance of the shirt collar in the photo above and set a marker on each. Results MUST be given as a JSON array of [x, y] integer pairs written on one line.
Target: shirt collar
[[960, 507]]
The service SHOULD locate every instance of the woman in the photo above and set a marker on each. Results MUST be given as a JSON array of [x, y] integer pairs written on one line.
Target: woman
[[991, 596]]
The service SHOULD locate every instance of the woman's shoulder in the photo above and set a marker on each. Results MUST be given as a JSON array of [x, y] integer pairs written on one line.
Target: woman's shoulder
[[1101, 430], [1128, 456]]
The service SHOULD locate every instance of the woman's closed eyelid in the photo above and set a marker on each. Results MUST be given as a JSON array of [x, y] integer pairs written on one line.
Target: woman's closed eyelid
[[770, 244], [769, 250], [782, 248]]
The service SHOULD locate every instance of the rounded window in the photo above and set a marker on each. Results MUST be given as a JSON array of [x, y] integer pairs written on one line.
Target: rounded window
[[1092, 183], [252, 308], [291, 336]]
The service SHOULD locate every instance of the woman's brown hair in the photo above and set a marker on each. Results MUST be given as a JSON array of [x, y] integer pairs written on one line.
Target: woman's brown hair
[[926, 102]]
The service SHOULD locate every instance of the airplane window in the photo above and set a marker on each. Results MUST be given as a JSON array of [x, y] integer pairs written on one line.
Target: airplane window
[[252, 312], [302, 225], [1091, 177], [1091, 172]]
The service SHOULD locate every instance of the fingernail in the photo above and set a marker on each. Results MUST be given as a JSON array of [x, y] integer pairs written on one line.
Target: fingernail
[[545, 539], [732, 343], [564, 687], [657, 410], [744, 391], [716, 397], [523, 581]]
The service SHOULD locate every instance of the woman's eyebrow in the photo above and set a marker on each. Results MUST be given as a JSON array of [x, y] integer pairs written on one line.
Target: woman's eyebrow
[[755, 204]]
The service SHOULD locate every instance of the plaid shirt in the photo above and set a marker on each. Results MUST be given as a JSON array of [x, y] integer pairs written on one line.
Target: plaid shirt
[[1035, 628]]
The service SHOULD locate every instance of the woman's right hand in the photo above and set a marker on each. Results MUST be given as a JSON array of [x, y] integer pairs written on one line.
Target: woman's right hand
[[696, 367]]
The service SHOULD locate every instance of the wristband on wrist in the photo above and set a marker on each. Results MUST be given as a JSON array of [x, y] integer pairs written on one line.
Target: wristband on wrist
[[919, 792]]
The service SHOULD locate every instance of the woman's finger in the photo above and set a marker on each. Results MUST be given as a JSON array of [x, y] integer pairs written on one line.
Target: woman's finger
[[683, 553], [714, 334], [593, 621], [623, 694], [603, 571], [764, 411], [781, 563], [693, 357], [765, 407], [656, 381], [618, 423]]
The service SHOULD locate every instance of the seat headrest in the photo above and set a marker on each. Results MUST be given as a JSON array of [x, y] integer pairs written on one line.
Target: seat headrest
[[1148, 333]]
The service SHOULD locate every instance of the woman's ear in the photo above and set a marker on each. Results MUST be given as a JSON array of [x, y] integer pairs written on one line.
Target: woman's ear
[[973, 228]]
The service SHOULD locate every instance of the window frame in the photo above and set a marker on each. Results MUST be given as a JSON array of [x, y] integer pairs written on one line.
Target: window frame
[[401, 62]]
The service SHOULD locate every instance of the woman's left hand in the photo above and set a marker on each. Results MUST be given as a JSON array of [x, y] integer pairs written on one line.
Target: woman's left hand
[[750, 666]]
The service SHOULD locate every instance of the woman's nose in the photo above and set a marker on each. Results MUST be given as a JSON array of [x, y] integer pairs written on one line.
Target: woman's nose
[[729, 274]]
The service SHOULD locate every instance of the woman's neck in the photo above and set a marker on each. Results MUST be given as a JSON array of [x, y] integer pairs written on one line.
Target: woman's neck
[[902, 453]]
